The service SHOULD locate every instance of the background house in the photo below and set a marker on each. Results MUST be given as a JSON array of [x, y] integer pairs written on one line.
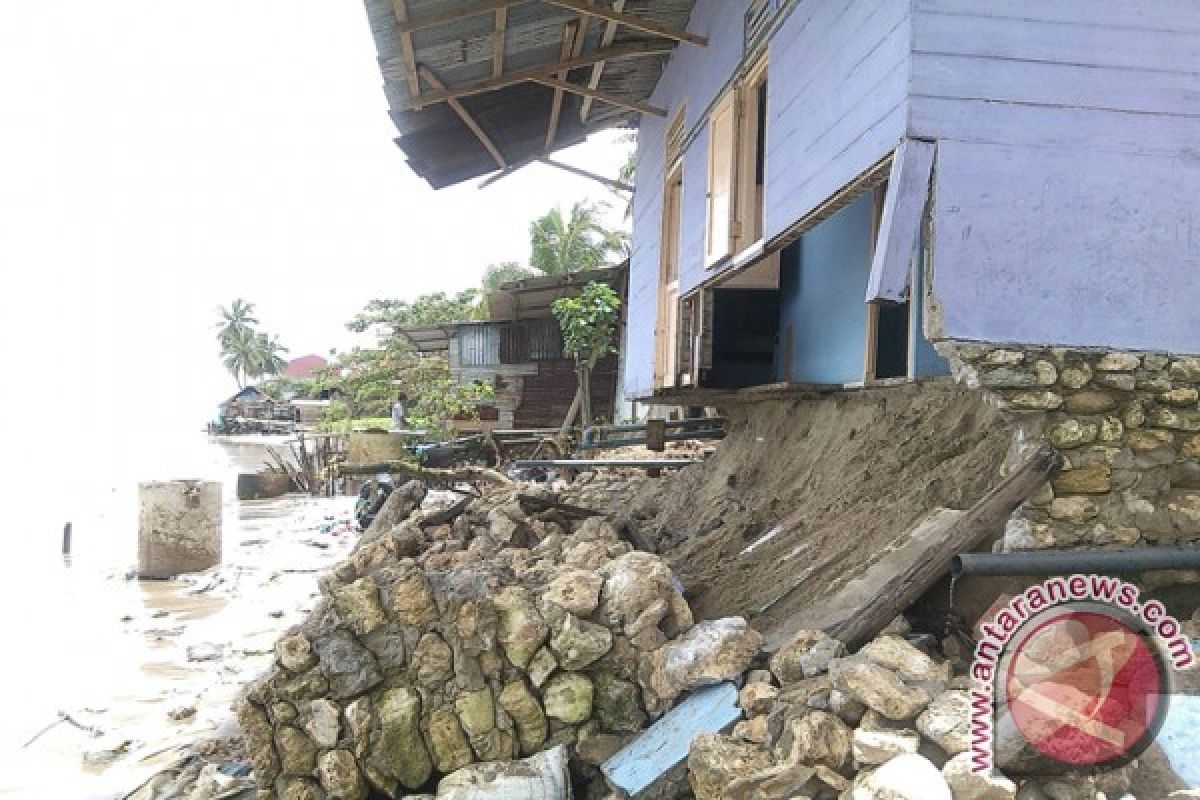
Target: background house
[[519, 353]]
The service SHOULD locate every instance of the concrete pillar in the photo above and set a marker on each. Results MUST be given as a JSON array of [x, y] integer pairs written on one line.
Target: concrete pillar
[[179, 527]]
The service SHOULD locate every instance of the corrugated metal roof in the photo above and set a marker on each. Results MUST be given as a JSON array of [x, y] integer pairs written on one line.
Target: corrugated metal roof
[[440, 147]]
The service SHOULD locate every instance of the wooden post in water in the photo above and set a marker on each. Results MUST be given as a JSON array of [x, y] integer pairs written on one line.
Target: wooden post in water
[[66, 539]]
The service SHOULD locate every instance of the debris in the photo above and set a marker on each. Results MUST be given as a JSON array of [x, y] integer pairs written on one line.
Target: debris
[[205, 652]]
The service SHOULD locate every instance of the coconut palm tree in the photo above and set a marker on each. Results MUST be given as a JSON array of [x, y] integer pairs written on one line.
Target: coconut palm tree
[[268, 355], [578, 242], [504, 272], [240, 353], [238, 317]]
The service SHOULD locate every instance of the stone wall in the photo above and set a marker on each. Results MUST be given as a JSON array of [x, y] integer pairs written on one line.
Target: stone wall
[[499, 634], [1128, 427]]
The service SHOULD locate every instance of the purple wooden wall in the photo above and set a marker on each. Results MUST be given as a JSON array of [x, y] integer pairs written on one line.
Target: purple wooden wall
[[1067, 208], [837, 79]]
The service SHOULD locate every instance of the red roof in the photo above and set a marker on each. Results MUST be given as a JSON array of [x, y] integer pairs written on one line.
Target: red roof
[[304, 366]]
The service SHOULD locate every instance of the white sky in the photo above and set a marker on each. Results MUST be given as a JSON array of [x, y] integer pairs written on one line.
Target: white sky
[[158, 158]]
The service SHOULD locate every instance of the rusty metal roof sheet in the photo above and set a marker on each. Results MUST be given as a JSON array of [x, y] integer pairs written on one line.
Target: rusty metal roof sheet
[[439, 146]]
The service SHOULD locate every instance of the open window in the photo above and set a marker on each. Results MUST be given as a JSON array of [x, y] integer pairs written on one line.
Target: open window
[[666, 330], [737, 131]]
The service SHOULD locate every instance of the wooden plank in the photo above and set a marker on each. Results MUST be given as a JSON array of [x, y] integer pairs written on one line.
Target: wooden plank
[[1144, 14], [632, 50], [967, 77], [498, 36], [583, 173], [632, 105], [630, 21], [861, 608], [1030, 40], [606, 40], [476, 9], [640, 764], [568, 48], [406, 48], [468, 120], [900, 224]]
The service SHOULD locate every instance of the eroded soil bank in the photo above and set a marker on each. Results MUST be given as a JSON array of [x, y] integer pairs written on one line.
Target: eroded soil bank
[[820, 484]]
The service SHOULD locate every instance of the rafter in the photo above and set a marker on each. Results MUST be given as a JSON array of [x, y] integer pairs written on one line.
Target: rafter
[[498, 34], [595, 94], [630, 21], [632, 50], [610, 33], [583, 173], [462, 12], [570, 32], [433, 80], [400, 7]]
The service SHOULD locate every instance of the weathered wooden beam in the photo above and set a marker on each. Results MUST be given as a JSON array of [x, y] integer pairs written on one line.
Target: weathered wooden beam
[[583, 173], [498, 35], [864, 606], [433, 80], [606, 40], [411, 471], [454, 15], [632, 105], [568, 49], [632, 50], [400, 7], [630, 21]]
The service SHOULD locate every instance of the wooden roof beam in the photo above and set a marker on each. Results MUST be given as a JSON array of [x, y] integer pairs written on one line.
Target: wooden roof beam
[[632, 50], [498, 35], [595, 94], [433, 80], [610, 33], [400, 7], [462, 12], [630, 21], [570, 32]]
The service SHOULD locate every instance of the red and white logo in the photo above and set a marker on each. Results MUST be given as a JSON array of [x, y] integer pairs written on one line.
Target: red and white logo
[[1084, 685]]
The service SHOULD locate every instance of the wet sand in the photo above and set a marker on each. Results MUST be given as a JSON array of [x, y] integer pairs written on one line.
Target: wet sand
[[143, 667]]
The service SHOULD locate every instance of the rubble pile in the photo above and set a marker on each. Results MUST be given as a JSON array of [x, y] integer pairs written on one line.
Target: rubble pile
[[890, 722], [480, 635]]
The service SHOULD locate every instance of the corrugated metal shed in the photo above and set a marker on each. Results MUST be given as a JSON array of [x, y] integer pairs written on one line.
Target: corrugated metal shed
[[490, 56]]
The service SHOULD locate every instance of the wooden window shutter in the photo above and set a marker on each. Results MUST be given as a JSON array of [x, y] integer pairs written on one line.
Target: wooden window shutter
[[722, 163]]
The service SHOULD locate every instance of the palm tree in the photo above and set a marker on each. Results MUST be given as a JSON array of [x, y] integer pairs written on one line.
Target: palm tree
[[497, 275], [238, 317], [268, 355], [240, 353], [561, 246]]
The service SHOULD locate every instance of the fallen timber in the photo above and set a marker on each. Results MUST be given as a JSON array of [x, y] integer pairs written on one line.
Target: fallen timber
[[411, 471], [585, 464], [864, 606]]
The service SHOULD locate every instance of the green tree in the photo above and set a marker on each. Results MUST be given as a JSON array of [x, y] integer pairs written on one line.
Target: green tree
[[268, 355], [589, 329], [388, 315], [239, 353], [239, 316], [561, 245], [496, 275]]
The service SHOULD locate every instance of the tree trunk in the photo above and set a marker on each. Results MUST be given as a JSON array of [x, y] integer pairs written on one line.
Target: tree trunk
[[585, 394]]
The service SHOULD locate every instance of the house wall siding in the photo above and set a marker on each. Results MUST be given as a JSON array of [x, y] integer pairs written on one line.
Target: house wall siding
[[837, 82], [1067, 165]]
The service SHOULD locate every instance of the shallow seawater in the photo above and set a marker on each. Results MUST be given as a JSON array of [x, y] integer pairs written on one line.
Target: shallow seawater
[[120, 656]]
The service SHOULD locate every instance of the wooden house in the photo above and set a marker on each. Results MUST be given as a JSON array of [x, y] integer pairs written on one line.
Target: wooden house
[[519, 353], [830, 192]]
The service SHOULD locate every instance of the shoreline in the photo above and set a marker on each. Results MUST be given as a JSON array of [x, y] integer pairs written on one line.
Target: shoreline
[[183, 649]]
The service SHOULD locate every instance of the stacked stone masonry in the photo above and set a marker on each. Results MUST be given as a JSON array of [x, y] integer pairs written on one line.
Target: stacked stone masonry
[[1128, 427], [500, 635]]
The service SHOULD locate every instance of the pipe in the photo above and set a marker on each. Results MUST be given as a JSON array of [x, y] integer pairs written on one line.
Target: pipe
[[1072, 562], [590, 433], [583, 464], [610, 444]]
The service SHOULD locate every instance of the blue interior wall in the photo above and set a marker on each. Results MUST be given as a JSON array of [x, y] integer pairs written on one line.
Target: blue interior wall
[[822, 315]]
